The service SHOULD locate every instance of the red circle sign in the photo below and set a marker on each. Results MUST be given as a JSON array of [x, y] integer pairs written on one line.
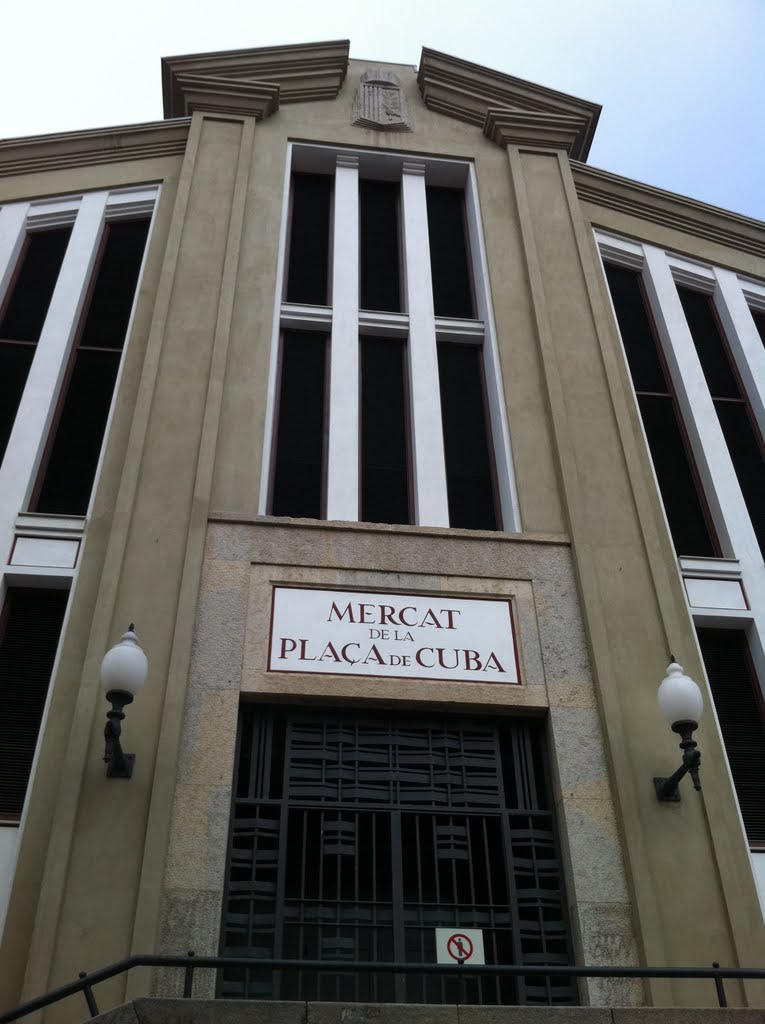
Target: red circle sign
[[459, 947]]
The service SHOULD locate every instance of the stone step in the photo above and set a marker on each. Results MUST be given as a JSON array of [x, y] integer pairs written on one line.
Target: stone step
[[230, 1011]]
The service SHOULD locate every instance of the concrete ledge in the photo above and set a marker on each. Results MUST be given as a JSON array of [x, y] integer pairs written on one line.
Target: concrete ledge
[[230, 1011]]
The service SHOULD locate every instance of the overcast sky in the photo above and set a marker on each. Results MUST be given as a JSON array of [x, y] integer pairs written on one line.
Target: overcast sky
[[681, 82]]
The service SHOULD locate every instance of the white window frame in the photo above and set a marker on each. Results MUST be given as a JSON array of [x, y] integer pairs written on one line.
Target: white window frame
[[743, 564], [47, 536], [343, 321], [87, 214]]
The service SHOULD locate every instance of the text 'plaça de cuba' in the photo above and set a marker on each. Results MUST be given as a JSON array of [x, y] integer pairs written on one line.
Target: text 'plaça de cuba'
[[391, 637]]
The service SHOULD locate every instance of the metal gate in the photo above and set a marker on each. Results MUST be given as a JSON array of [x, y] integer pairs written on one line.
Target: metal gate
[[354, 836]]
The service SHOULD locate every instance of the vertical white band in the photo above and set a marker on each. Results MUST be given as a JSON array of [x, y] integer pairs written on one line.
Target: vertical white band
[[12, 235], [431, 501], [343, 455]]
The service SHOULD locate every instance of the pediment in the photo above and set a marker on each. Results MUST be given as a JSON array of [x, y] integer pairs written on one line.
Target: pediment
[[470, 92], [254, 82]]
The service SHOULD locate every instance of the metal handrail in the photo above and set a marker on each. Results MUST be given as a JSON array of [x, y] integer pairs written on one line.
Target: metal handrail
[[190, 962]]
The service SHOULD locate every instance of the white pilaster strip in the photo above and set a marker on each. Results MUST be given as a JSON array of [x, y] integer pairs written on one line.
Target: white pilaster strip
[[710, 450], [12, 234], [270, 427], [743, 337], [431, 501], [38, 402], [343, 454], [509, 510]]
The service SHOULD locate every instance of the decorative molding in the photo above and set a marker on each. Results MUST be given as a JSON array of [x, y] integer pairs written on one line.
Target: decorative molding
[[127, 204], [613, 192], [383, 325], [754, 293], [380, 104], [297, 315], [41, 524], [620, 252], [545, 131], [694, 278], [97, 146], [697, 566], [215, 95], [53, 213], [468, 332], [467, 91], [299, 74]]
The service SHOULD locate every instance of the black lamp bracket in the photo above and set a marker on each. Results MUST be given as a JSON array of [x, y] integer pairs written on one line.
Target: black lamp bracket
[[119, 765], [667, 788]]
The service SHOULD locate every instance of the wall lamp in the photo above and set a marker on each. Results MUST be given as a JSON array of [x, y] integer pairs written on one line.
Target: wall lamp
[[681, 704], [123, 673]]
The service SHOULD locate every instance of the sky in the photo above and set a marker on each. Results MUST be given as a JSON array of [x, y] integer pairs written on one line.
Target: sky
[[681, 82]]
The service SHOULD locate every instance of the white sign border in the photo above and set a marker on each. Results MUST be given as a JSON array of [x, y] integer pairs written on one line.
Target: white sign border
[[503, 599]]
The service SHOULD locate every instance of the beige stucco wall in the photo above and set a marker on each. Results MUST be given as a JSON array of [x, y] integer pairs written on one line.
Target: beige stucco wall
[[99, 857]]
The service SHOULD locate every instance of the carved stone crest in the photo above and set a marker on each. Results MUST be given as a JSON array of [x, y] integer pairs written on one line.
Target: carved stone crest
[[380, 104]]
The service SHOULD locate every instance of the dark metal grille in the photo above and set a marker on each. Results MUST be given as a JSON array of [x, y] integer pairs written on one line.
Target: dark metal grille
[[354, 838]]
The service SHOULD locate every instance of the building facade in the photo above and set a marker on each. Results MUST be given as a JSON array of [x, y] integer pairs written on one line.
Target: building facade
[[414, 447]]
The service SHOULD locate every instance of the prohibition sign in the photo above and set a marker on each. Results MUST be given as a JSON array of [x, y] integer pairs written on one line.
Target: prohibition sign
[[459, 947]]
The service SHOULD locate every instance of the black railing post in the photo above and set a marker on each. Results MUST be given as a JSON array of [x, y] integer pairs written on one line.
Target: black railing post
[[90, 999], [721, 997], [188, 978]]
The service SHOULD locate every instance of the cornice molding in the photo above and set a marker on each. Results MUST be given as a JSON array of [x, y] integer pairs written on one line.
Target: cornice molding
[[521, 128], [215, 95], [96, 146], [646, 202], [293, 74], [468, 91]]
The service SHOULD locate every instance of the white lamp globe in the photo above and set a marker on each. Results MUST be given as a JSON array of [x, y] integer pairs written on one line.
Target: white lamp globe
[[680, 699], [124, 666]]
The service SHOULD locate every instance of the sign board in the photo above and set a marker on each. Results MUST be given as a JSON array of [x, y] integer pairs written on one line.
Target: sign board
[[459, 944], [342, 632]]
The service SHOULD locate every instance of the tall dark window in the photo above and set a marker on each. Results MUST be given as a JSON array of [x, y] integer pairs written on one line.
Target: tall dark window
[[469, 464], [69, 466], [689, 520], [379, 248], [736, 420], [353, 837], [759, 322], [308, 269], [298, 479], [449, 261], [30, 626], [22, 316], [384, 435], [739, 705]]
